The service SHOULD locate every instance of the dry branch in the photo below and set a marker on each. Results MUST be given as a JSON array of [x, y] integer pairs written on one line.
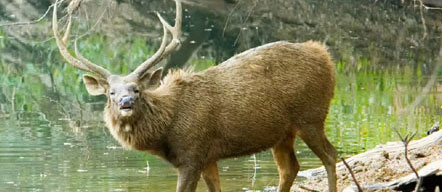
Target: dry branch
[[30, 22], [352, 175], [406, 140]]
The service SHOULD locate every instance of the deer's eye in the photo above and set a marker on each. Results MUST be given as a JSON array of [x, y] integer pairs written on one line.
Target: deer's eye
[[112, 93], [136, 91]]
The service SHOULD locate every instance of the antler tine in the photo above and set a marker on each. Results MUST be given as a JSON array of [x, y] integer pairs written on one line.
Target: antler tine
[[91, 66], [176, 30], [81, 63], [68, 30], [164, 50], [146, 65]]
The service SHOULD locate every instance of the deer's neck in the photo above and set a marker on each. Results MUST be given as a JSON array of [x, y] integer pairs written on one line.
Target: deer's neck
[[146, 128]]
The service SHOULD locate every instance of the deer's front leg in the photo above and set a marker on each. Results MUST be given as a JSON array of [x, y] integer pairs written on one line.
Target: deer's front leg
[[188, 177]]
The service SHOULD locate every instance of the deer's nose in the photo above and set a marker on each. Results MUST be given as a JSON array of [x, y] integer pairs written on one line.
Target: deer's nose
[[126, 100]]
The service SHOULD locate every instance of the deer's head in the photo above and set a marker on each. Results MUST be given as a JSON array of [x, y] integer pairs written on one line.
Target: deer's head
[[123, 92]]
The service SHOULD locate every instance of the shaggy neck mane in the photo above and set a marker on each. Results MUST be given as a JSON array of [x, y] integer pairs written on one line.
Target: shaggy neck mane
[[146, 128]]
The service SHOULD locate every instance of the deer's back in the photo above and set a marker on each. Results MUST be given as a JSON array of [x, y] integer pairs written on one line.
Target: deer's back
[[257, 96], [276, 80]]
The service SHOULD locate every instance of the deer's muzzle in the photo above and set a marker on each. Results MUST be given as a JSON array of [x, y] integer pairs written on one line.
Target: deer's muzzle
[[126, 103]]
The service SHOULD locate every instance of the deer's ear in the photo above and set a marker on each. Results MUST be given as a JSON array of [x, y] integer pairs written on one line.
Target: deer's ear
[[94, 85], [153, 79]]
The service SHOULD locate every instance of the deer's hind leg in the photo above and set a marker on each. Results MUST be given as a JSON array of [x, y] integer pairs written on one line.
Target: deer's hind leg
[[314, 136], [288, 165], [211, 177]]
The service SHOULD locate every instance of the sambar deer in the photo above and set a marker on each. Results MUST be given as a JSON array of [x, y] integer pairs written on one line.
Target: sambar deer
[[259, 99]]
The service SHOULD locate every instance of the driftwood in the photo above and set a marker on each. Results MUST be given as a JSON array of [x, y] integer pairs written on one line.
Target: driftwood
[[431, 176], [426, 156]]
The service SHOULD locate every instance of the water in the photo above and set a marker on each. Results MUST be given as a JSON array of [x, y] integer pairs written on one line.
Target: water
[[46, 150]]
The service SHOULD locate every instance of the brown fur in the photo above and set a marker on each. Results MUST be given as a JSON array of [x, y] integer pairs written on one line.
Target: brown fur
[[262, 98]]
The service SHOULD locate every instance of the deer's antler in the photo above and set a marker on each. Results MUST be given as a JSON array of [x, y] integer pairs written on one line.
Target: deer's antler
[[164, 50], [84, 64], [79, 62]]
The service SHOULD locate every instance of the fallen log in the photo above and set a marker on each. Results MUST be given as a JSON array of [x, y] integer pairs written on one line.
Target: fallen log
[[431, 176], [383, 166]]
